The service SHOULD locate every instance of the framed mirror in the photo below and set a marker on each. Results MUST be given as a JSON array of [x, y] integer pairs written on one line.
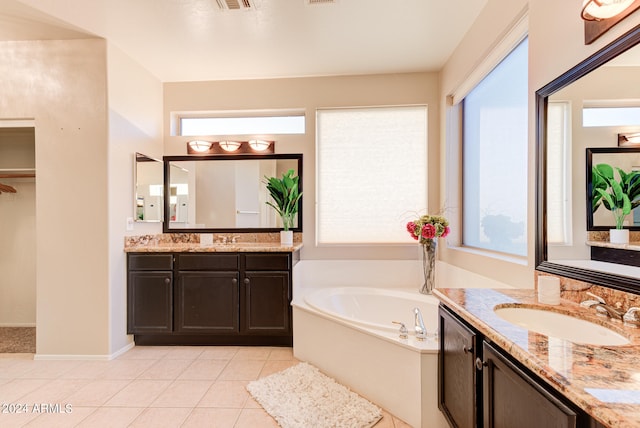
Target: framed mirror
[[225, 193], [604, 80], [605, 160], [148, 178]]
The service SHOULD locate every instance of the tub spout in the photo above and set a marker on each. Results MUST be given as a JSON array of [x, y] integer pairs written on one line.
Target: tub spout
[[420, 329]]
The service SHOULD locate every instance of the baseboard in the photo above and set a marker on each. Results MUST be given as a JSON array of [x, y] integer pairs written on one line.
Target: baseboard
[[85, 357], [18, 324]]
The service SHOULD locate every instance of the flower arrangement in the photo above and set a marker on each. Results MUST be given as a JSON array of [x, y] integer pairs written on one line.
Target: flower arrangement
[[428, 227]]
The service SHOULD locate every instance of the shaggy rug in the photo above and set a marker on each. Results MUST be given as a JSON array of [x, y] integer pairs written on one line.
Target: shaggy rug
[[17, 340], [302, 397]]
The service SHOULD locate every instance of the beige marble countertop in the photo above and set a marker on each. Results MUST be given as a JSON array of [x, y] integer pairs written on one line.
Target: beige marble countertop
[[602, 380], [632, 246], [190, 247]]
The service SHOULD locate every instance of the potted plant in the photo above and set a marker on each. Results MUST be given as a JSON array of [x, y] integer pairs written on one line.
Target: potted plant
[[620, 197], [285, 195]]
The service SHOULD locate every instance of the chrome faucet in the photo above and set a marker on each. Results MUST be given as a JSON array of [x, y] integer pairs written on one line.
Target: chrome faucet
[[420, 329], [602, 308], [630, 318]]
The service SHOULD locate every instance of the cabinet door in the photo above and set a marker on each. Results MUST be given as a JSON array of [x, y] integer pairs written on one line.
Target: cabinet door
[[150, 302], [207, 302], [512, 398], [457, 376], [266, 302]]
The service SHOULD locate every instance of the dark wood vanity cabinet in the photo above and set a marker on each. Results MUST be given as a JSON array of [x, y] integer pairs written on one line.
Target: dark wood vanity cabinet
[[481, 385], [458, 379], [150, 294], [213, 298]]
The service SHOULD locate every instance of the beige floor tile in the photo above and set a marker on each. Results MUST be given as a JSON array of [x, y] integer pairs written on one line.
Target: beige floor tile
[[145, 353], [161, 418], [203, 370], [138, 393], [271, 367], [166, 369], [226, 394], [126, 369], [253, 418], [386, 421], [219, 352], [11, 392], [284, 354], [212, 418], [49, 369], [111, 417], [61, 420], [184, 352], [96, 392], [55, 391], [183, 393], [397, 423], [11, 369], [253, 353], [252, 403], [16, 419], [88, 370], [242, 370], [15, 356]]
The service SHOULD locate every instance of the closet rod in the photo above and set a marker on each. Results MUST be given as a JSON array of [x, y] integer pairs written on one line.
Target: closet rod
[[17, 175]]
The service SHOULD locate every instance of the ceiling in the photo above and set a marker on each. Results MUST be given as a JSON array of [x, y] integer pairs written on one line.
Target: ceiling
[[190, 40]]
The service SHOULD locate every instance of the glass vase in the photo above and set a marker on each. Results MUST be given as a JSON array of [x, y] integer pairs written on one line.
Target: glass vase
[[429, 265]]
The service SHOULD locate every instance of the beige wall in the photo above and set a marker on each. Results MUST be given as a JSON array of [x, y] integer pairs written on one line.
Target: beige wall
[[556, 43], [310, 94]]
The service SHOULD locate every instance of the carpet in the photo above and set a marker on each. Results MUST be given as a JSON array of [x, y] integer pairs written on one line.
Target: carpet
[[17, 340], [302, 397]]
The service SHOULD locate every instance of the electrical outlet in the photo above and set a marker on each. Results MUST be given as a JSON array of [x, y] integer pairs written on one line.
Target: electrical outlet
[[129, 223]]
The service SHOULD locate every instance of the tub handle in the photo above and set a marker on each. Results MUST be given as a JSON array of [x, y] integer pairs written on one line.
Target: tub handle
[[404, 333]]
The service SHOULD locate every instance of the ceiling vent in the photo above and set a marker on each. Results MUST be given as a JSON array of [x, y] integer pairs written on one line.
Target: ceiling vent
[[236, 4], [320, 1]]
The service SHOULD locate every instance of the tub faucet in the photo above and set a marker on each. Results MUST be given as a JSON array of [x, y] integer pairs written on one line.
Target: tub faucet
[[420, 329], [602, 308]]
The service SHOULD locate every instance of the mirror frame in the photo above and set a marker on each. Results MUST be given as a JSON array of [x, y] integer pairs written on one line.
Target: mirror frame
[[167, 165], [618, 282]]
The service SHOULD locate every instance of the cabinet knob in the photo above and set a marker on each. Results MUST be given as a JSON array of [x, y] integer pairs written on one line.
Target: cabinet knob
[[167, 281], [247, 281], [467, 350], [234, 281], [480, 364]]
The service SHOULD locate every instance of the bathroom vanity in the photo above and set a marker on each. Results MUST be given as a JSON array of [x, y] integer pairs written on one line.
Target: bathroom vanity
[[193, 294], [493, 373]]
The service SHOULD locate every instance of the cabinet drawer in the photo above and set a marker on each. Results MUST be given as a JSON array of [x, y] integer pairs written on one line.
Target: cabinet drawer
[[150, 261], [198, 261], [267, 261]]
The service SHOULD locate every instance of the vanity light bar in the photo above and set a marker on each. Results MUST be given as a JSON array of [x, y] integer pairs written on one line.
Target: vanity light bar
[[201, 147]]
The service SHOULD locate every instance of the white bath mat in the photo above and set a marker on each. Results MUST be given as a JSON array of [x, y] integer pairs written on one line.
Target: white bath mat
[[302, 397]]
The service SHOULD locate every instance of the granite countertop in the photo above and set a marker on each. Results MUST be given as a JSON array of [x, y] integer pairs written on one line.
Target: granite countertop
[[602, 380], [190, 247], [632, 246]]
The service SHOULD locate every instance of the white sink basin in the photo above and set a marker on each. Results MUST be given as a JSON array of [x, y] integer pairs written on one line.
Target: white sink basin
[[561, 326]]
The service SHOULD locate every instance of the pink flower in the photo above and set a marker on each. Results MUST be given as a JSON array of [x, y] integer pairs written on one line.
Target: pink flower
[[411, 228], [446, 231], [428, 231]]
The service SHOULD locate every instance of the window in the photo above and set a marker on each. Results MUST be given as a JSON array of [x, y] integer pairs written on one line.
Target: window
[[494, 152], [371, 173], [558, 173], [610, 116], [243, 124]]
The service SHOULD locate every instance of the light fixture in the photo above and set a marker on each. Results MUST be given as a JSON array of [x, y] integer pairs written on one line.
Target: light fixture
[[200, 146], [229, 146], [597, 10], [632, 139], [259, 145]]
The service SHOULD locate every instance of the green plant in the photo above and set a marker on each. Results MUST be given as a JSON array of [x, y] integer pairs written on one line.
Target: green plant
[[285, 194], [619, 197]]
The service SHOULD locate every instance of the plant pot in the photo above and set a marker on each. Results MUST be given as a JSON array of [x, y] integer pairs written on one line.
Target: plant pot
[[619, 236], [286, 237]]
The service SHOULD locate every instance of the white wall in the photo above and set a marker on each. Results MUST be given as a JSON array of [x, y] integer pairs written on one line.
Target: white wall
[[310, 94], [556, 43], [135, 125]]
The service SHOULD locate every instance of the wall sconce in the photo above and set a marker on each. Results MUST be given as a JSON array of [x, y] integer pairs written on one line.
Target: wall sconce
[[255, 147], [199, 146], [229, 146], [597, 10], [259, 145], [629, 140]]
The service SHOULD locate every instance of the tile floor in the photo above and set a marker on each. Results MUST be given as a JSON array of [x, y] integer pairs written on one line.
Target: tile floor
[[149, 386]]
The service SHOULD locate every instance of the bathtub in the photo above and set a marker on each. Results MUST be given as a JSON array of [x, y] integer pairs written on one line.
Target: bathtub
[[347, 332]]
